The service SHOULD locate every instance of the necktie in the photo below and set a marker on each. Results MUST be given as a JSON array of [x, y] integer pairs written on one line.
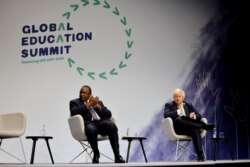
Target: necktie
[[182, 111], [93, 113]]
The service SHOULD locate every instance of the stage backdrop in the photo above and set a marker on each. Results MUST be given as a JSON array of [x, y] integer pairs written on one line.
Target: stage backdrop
[[133, 54]]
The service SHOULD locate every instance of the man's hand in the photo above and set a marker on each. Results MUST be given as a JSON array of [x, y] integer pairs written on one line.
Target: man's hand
[[98, 106], [93, 101], [192, 115], [182, 106]]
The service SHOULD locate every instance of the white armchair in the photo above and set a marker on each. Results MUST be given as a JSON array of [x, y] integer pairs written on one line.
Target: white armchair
[[171, 135], [12, 125], [77, 129]]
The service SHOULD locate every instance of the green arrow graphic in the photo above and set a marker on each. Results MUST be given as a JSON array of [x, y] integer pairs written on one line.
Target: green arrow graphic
[[113, 72], [116, 12], [103, 75], [71, 62], [122, 65], [75, 7], [97, 2], [127, 55], [128, 32], [130, 44], [67, 15], [124, 21], [91, 75], [106, 5], [85, 2], [80, 70]]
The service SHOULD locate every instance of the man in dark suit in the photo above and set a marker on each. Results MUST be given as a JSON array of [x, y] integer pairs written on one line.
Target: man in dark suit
[[97, 121], [186, 120]]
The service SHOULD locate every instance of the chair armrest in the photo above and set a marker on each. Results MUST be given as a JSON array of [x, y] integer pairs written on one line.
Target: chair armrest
[[114, 119], [203, 132], [204, 120], [77, 129], [169, 128], [170, 132]]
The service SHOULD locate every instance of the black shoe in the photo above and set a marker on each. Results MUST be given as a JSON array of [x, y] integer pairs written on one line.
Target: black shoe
[[95, 159], [201, 158], [119, 159], [208, 126]]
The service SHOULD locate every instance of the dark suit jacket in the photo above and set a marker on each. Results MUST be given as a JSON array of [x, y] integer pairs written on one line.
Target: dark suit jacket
[[77, 106], [171, 110]]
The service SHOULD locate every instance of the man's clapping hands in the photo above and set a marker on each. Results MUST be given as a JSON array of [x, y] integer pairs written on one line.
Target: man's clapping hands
[[94, 102]]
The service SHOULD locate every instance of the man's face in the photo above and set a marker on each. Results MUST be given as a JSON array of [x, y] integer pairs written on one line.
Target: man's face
[[178, 98], [85, 93]]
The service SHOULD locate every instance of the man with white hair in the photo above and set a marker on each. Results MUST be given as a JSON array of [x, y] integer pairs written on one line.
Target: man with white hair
[[186, 120]]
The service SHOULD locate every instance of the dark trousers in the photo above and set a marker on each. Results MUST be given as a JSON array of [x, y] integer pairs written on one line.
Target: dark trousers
[[103, 127], [187, 126]]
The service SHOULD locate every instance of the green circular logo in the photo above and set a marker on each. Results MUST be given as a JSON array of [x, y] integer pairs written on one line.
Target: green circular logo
[[114, 71]]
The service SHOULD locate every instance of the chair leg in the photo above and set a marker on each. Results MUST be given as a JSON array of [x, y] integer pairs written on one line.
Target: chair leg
[[180, 149], [14, 155], [107, 156], [190, 150], [89, 153], [88, 146], [76, 157], [23, 150], [85, 149], [205, 147], [176, 150]]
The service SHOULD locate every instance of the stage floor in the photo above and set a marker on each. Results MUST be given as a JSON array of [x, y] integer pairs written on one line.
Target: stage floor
[[136, 164]]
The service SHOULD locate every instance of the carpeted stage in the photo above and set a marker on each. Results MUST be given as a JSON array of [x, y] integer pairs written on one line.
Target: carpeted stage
[[228, 163]]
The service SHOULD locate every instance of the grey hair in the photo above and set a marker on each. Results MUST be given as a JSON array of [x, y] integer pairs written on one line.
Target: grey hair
[[179, 91]]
